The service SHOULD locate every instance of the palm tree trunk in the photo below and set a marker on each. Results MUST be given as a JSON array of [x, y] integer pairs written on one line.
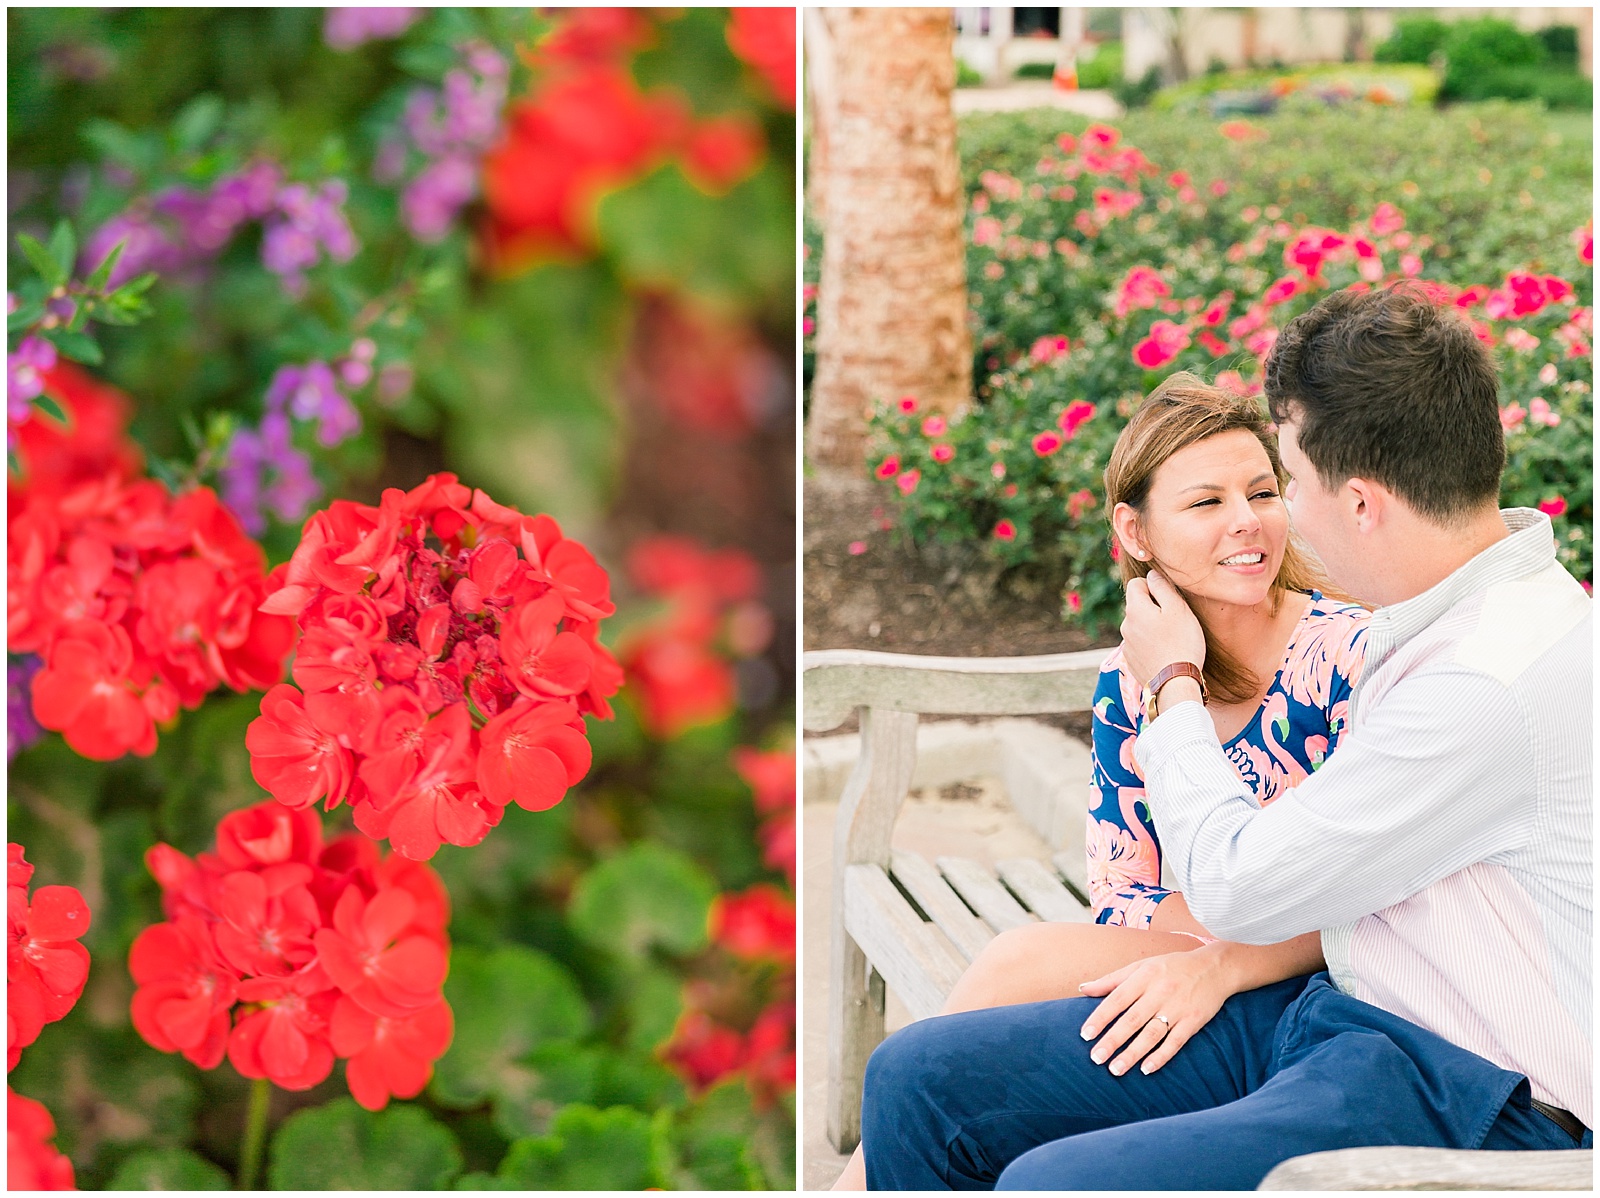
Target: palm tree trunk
[[892, 302]]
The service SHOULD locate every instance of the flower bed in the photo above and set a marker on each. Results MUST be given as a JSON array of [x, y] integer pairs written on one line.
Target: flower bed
[[425, 846], [1096, 270]]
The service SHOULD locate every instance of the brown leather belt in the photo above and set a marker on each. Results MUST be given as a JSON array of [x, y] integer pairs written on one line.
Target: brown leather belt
[[1565, 1120]]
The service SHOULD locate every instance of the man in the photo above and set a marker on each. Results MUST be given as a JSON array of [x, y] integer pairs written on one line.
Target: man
[[1445, 851]]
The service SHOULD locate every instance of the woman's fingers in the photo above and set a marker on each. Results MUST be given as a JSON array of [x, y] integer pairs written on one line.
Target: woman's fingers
[[1109, 982], [1150, 1035], [1109, 1008], [1131, 1023], [1175, 1039]]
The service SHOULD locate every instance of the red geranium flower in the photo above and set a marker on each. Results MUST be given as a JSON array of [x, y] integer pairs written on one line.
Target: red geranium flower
[[765, 38], [757, 923], [32, 1162], [369, 956], [389, 1057], [532, 754], [46, 967], [185, 990], [292, 930], [285, 1037]]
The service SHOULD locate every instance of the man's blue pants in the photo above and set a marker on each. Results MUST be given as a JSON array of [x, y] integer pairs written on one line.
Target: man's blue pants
[[1009, 1099]]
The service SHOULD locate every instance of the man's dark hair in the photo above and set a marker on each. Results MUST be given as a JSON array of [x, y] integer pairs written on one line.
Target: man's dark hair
[[1388, 385]]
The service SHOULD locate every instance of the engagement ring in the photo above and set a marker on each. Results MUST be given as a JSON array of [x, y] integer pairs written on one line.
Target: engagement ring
[[1165, 1022]]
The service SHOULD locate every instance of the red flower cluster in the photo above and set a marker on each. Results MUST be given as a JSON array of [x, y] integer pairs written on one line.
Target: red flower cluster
[[281, 953], [32, 1162], [140, 603], [587, 128], [756, 927], [764, 38], [46, 967], [439, 680], [677, 673], [92, 446]]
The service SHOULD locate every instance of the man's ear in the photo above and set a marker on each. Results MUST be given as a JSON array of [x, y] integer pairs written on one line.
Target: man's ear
[[1368, 503]]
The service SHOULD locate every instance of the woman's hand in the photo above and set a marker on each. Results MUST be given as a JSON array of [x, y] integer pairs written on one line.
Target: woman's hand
[[1188, 988], [1158, 628]]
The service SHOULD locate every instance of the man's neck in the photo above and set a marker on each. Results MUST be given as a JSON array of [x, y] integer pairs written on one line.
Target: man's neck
[[1428, 553]]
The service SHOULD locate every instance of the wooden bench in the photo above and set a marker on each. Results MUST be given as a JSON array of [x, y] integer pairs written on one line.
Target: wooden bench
[[899, 921]]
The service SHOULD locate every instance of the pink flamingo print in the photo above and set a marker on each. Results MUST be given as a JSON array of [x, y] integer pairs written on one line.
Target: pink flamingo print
[[1289, 772], [1120, 856]]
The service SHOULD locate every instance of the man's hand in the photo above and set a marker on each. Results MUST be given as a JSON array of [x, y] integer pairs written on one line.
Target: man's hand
[[1158, 628]]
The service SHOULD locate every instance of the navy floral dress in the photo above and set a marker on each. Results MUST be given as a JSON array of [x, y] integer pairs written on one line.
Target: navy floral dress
[[1297, 725]]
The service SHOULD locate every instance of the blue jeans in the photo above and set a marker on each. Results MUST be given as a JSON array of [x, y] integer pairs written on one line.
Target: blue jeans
[[1009, 1099]]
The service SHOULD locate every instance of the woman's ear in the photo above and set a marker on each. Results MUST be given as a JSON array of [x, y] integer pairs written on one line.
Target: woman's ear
[[1125, 523]]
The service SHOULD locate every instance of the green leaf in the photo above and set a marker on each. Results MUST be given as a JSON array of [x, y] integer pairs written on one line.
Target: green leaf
[[102, 273], [168, 1169], [725, 1141], [119, 144], [51, 409], [80, 347], [195, 124], [586, 1149], [26, 314], [655, 1000], [42, 261], [64, 249], [507, 1003], [646, 896], [340, 1146]]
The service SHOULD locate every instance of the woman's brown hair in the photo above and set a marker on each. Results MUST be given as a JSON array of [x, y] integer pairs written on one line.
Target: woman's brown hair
[[1181, 411]]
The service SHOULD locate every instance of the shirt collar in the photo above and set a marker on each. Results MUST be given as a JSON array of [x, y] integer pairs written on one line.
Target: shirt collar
[[1530, 548]]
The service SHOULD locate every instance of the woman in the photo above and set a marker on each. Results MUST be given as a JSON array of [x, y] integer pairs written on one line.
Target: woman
[[1193, 489]]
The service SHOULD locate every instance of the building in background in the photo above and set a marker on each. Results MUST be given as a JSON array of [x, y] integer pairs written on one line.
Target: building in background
[[996, 42]]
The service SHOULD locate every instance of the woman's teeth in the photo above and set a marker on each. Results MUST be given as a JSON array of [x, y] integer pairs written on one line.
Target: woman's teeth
[[1242, 559]]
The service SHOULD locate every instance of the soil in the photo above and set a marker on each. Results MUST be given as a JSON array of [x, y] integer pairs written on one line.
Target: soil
[[938, 602]]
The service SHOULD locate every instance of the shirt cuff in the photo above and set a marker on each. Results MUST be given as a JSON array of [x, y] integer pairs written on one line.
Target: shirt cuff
[[1182, 724]]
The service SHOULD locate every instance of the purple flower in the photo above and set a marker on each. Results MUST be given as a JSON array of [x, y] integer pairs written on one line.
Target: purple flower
[[145, 247], [22, 729], [306, 220], [311, 392], [453, 127], [389, 163], [431, 201], [263, 472], [471, 108], [347, 28], [24, 384]]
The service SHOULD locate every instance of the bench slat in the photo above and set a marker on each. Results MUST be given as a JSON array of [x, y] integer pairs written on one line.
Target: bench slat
[[984, 894], [914, 959], [840, 680], [944, 906], [1041, 891], [1075, 870], [1434, 1169]]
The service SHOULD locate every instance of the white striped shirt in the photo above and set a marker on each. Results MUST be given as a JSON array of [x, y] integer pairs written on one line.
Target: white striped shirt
[[1446, 849]]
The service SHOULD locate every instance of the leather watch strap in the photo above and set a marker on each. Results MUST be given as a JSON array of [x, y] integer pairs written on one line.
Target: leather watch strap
[[1178, 669]]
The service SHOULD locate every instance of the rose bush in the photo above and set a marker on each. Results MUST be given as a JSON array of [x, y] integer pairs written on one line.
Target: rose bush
[[1097, 271], [293, 294]]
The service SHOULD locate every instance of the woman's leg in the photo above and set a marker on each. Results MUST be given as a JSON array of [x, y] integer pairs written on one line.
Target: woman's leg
[[1041, 961], [1038, 962]]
